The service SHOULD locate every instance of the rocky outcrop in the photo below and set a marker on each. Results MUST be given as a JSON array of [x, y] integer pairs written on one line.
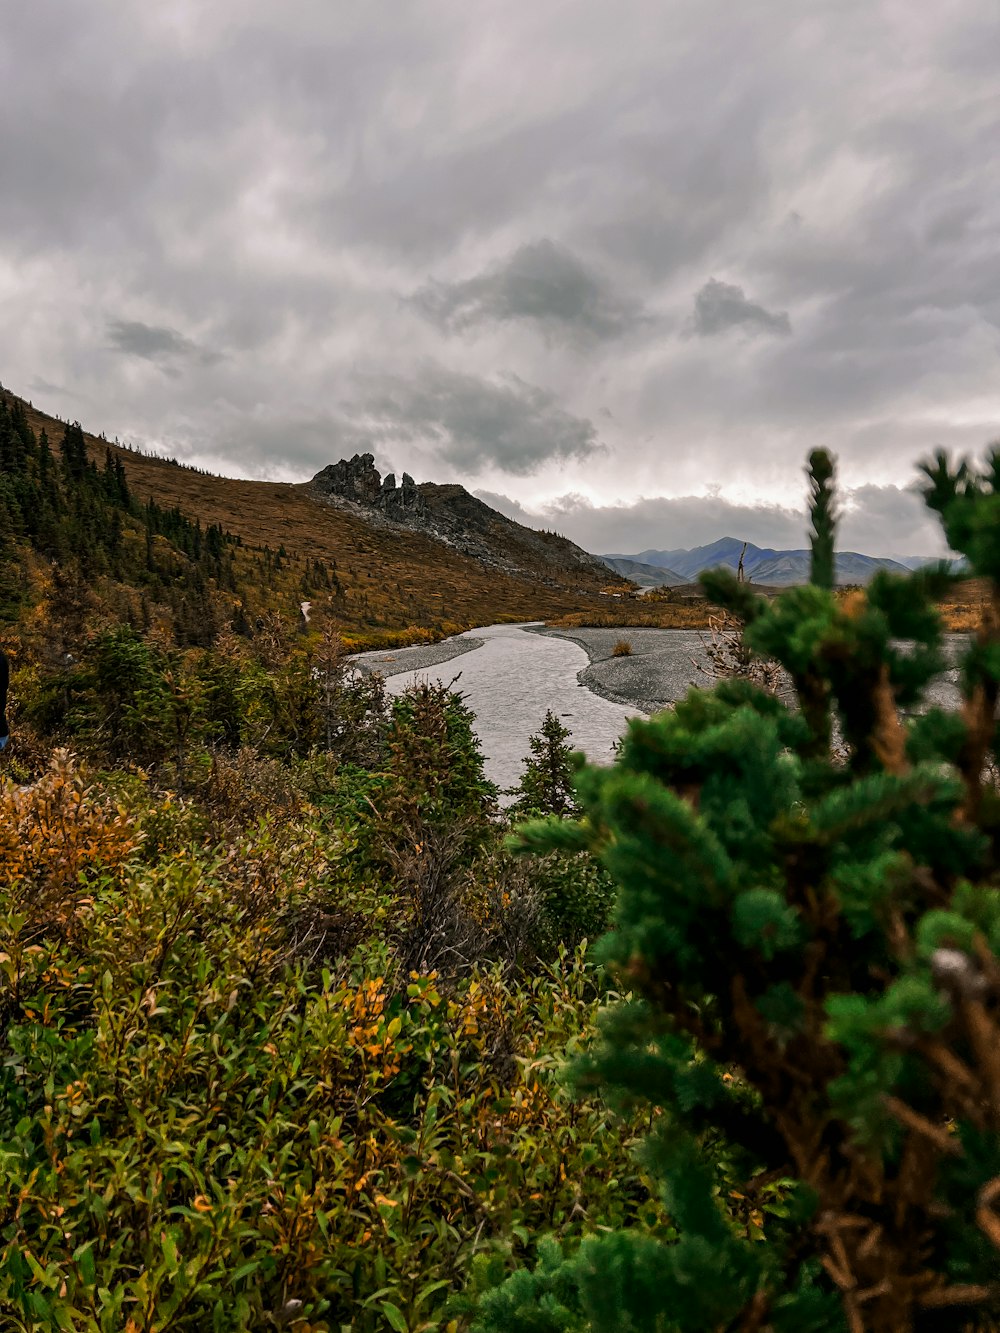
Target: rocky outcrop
[[405, 496], [358, 480], [453, 516]]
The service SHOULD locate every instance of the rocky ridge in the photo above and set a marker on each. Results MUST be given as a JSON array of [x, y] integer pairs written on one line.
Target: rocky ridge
[[451, 515]]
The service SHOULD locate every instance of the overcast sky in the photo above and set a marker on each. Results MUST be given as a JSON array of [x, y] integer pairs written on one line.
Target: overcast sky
[[617, 266]]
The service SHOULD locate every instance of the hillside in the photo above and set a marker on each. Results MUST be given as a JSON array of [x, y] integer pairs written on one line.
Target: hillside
[[459, 520], [376, 581]]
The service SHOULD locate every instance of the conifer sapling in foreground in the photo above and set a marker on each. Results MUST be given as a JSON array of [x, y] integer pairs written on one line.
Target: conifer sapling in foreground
[[811, 948]]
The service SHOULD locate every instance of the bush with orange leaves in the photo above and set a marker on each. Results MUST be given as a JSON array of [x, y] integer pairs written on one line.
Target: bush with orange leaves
[[54, 837]]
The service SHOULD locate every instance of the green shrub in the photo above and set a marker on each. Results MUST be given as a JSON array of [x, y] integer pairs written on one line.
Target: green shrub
[[225, 1101], [573, 892]]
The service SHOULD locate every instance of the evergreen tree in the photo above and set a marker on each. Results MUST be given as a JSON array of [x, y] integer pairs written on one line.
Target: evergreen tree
[[73, 450], [574, 892], [812, 951], [546, 785]]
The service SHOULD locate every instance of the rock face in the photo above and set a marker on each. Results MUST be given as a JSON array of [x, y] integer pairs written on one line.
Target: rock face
[[453, 516], [357, 479]]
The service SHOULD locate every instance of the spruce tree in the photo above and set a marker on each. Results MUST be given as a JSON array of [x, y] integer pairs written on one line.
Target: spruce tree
[[809, 935], [546, 784], [574, 893]]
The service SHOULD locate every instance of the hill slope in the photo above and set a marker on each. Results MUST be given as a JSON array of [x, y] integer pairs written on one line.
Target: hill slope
[[459, 520], [377, 581]]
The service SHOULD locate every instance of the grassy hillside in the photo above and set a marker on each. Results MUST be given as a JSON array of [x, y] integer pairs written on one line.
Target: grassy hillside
[[376, 585], [387, 585]]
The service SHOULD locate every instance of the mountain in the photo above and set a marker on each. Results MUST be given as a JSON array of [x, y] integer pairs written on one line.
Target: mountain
[[647, 576], [450, 515], [155, 540], [762, 565], [958, 563]]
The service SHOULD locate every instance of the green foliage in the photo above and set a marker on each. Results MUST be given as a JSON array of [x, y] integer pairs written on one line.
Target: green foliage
[[225, 1100], [807, 924], [434, 758], [823, 520], [574, 892], [546, 784]]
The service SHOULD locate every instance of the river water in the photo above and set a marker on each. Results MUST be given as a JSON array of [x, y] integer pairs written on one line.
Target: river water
[[509, 681], [510, 675]]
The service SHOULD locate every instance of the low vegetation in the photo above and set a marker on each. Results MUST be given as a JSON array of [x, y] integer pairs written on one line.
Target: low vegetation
[[961, 606], [693, 613], [282, 1042], [300, 1020]]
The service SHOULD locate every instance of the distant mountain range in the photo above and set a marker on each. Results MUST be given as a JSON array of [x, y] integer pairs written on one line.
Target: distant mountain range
[[760, 564], [646, 575]]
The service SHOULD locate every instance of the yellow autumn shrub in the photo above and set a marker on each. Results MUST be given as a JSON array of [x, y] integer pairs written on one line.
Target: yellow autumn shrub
[[54, 836]]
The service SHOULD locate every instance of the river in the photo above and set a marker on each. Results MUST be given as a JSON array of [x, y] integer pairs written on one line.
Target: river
[[510, 675]]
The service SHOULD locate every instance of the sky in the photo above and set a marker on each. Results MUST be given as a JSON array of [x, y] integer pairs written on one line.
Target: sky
[[616, 268]]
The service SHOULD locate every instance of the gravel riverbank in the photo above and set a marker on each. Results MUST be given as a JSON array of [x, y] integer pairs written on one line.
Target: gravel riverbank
[[422, 657], [660, 669]]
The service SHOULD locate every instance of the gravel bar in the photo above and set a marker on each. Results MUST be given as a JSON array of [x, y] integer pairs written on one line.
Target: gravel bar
[[419, 658], [661, 668]]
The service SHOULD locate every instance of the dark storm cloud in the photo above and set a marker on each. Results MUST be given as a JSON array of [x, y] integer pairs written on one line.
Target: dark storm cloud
[[155, 343], [721, 306], [473, 423], [543, 283]]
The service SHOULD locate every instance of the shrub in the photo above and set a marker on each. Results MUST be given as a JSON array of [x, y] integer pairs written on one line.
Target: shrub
[[55, 838], [196, 1135], [623, 648], [813, 949]]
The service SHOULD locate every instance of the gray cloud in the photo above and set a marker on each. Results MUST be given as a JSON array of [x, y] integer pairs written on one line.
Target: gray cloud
[[473, 423], [280, 186], [511, 508], [662, 523], [155, 343], [541, 282], [876, 520], [720, 306], [889, 520]]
